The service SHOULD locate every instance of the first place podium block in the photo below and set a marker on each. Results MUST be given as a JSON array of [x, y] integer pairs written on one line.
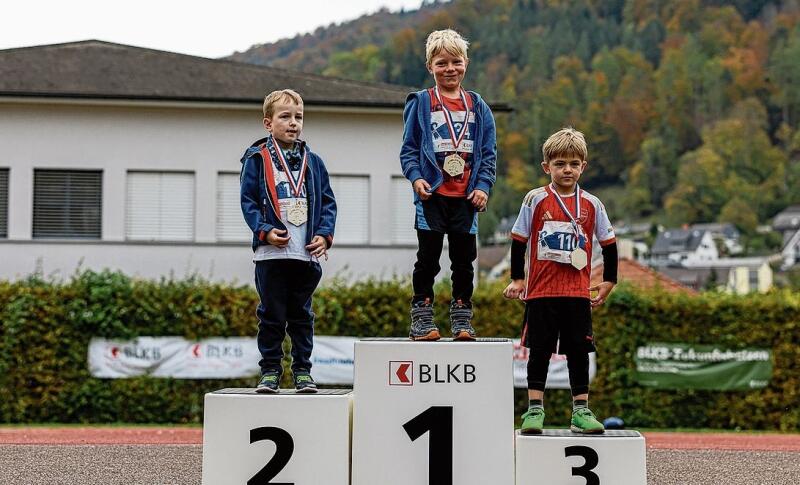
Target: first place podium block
[[561, 457], [433, 413], [285, 438]]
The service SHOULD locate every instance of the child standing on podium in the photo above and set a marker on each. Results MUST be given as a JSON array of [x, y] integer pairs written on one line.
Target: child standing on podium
[[288, 203], [449, 156], [556, 225]]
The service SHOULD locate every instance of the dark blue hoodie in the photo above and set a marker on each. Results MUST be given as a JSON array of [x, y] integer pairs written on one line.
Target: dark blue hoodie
[[259, 198]]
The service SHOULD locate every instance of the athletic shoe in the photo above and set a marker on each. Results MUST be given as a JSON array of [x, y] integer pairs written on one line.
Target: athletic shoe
[[532, 421], [422, 326], [269, 383], [304, 383], [583, 421], [461, 321]]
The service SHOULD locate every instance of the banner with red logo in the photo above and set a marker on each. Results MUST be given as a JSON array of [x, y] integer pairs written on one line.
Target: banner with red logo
[[227, 358], [176, 357]]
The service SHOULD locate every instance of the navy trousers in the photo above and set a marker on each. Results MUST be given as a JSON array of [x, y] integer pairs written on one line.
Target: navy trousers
[[285, 287]]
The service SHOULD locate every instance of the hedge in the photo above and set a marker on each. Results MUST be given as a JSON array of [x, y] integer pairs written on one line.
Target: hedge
[[45, 329]]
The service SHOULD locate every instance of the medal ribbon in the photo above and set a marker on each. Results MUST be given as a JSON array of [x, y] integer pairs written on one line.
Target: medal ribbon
[[565, 209], [449, 118], [296, 185]]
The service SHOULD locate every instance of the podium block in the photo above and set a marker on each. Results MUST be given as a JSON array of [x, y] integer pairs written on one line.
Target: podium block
[[561, 457], [281, 439], [433, 413]]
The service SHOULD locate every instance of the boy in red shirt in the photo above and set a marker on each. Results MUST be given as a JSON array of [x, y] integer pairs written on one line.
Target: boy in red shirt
[[562, 218]]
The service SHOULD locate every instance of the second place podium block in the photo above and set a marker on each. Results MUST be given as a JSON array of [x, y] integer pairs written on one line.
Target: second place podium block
[[436, 413], [285, 438]]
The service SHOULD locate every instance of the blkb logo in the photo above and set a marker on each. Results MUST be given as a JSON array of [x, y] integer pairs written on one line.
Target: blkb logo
[[401, 373]]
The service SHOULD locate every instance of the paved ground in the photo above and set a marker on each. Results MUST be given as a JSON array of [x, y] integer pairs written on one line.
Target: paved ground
[[173, 456]]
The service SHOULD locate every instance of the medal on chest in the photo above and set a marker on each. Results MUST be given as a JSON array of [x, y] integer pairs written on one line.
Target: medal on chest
[[297, 212], [454, 164]]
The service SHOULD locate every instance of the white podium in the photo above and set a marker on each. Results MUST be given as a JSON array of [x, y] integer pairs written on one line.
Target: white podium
[[561, 457], [433, 413], [279, 439]]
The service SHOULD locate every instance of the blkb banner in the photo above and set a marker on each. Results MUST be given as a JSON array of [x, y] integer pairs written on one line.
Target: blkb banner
[[227, 358], [687, 366]]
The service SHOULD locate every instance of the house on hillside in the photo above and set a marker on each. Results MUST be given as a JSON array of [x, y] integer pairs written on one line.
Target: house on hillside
[[724, 234], [787, 222], [113, 156], [683, 246], [734, 275]]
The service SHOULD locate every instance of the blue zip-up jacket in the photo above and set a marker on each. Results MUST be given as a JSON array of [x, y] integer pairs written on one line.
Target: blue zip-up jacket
[[417, 159], [259, 198]]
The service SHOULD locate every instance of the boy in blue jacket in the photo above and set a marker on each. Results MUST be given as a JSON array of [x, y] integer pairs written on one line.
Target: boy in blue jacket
[[449, 155], [288, 203]]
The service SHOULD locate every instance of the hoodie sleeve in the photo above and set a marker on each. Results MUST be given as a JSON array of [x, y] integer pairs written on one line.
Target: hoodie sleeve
[[412, 138], [487, 173], [327, 223], [249, 194]]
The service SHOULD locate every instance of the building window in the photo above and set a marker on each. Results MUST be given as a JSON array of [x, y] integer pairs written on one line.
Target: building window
[[752, 279], [230, 222], [352, 214], [3, 202], [67, 204], [403, 211], [160, 206]]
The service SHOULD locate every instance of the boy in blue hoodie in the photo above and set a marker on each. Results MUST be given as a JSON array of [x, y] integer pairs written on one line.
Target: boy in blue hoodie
[[449, 155], [288, 203]]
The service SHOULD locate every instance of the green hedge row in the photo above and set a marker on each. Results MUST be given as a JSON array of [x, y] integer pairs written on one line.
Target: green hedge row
[[45, 329]]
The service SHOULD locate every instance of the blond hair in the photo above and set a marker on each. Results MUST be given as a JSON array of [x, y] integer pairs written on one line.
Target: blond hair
[[280, 96], [447, 40], [563, 143]]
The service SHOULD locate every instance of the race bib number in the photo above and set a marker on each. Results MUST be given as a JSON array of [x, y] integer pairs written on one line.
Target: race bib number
[[556, 241]]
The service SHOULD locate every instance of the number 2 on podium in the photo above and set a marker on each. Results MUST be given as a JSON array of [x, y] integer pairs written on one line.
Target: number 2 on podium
[[438, 420]]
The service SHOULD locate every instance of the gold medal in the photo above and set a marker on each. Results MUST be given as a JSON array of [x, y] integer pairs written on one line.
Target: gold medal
[[453, 165], [578, 259], [297, 213]]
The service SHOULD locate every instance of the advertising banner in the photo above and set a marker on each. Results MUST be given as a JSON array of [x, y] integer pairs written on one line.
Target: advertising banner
[[688, 366], [228, 358]]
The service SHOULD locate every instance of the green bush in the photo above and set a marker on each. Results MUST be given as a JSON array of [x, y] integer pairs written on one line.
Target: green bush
[[45, 329]]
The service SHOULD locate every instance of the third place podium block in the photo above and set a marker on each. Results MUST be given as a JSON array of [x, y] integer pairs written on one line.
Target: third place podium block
[[433, 413], [561, 457], [282, 439]]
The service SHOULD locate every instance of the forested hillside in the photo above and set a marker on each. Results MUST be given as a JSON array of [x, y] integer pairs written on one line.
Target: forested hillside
[[691, 107]]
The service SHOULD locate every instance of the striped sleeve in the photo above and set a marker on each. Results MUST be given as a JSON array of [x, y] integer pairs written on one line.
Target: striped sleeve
[[522, 226], [602, 225]]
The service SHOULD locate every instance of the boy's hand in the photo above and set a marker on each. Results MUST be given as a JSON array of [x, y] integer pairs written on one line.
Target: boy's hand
[[423, 189], [514, 289], [602, 289], [318, 247], [479, 199], [275, 238]]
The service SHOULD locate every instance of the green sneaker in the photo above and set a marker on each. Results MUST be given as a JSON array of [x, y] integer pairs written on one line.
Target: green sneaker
[[269, 383], [583, 421], [532, 421], [304, 383]]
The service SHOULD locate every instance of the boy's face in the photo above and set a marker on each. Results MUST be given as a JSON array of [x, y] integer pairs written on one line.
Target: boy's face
[[286, 123], [565, 171], [448, 71]]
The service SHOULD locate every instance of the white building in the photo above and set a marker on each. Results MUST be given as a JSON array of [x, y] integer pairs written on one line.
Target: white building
[[119, 157], [684, 246], [737, 275]]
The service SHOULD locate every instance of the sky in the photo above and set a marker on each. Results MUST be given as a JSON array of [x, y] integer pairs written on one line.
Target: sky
[[201, 27]]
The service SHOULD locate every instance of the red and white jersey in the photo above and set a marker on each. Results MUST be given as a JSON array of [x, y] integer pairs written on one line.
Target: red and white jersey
[[550, 236]]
